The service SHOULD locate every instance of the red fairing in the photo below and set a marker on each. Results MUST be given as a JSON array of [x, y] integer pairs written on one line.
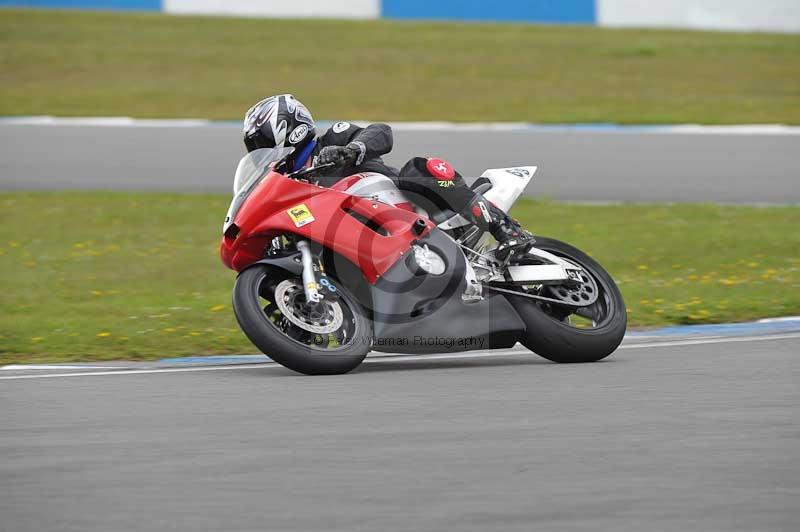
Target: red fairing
[[347, 182], [329, 217]]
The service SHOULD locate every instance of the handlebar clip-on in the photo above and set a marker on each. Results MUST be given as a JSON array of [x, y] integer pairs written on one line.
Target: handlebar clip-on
[[300, 174]]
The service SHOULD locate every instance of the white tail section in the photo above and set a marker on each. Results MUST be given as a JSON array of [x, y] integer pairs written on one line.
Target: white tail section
[[508, 184]]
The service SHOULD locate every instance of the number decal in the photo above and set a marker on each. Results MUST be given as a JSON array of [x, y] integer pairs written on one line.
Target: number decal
[[519, 172]]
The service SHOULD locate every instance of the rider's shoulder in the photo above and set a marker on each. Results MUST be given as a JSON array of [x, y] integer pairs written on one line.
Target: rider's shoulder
[[339, 134], [341, 127]]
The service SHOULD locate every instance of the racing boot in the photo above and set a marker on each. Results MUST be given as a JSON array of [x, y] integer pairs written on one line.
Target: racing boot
[[509, 234]]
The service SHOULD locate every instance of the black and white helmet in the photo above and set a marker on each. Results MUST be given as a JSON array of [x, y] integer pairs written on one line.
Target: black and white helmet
[[278, 122]]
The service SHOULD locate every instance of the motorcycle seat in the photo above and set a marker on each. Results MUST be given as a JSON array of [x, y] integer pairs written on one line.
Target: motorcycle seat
[[480, 186]]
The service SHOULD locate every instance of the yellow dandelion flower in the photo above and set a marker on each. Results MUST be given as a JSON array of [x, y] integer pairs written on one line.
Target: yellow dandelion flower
[[103, 334], [194, 333], [217, 308], [641, 267]]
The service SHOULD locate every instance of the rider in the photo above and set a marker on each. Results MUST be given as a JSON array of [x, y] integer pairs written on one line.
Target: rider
[[282, 121]]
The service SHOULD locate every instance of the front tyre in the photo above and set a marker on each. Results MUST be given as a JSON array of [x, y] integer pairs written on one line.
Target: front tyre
[[330, 338], [574, 334]]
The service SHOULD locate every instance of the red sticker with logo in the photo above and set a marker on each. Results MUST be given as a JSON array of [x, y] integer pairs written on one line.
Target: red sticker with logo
[[440, 169]]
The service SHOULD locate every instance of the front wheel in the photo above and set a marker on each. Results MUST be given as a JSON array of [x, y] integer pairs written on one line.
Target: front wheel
[[331, 337], [567, 334]]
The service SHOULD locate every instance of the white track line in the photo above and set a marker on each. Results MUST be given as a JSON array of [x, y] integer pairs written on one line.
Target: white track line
[[28, 367], [712, 340], [674, 129], [405, 358], [779, 320]]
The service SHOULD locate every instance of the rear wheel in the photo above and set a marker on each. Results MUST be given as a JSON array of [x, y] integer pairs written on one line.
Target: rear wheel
[[566, 333], [330, 337]]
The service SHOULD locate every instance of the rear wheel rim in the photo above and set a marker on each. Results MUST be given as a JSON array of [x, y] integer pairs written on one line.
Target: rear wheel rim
[[591, 317]]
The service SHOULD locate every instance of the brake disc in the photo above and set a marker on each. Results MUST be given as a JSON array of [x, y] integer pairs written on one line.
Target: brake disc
[[323, 318]]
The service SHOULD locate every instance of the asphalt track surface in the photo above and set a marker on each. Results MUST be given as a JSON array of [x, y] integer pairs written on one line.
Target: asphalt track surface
[[668, 434], [677, 434], [576, 165]]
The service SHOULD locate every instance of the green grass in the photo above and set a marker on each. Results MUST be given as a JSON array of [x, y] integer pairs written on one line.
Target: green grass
[[91, 276], [151, 65]]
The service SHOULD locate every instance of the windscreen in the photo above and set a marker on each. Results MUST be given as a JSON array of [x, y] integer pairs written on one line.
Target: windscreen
[[254, 165], [252, 168]]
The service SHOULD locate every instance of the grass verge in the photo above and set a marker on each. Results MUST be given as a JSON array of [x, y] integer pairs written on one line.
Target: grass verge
[[153, 65], [96, 276]]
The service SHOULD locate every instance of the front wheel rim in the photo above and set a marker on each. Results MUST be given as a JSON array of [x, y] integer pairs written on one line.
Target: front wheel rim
[[311, 331]]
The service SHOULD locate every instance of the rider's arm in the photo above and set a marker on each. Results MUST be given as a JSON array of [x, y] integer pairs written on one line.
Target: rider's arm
[[376, 140], [370, 142]]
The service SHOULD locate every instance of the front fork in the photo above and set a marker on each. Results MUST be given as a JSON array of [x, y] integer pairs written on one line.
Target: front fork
[[309, 277], [316, 284]]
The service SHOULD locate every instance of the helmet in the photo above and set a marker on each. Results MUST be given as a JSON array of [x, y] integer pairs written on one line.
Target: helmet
[[280, 122]]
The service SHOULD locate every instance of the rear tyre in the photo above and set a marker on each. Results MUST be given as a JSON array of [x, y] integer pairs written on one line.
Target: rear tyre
[[325, 340], [551, 331]]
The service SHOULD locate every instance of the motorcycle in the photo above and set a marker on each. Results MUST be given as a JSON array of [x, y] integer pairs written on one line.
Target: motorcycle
[[325, 275]]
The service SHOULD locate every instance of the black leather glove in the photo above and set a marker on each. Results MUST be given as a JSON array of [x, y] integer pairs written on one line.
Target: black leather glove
[[342, 156]]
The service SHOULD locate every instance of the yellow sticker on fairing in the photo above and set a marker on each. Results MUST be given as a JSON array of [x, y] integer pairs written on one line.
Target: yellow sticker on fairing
[[300, 215]]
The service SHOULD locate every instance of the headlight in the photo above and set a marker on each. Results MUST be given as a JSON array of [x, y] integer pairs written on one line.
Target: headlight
[[428, 260]]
